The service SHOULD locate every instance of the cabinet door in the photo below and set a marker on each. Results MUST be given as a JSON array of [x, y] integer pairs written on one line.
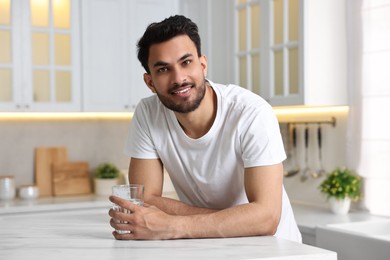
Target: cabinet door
[[10, 64], [250, 45], [53, 34], [39, 67], [268, 47], [292, 52], [285, 52], [113, 77], [142, 14], [105, 55]]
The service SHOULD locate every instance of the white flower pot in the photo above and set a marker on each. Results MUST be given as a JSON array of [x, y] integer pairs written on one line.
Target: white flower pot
[[103, 187], [340, 207]]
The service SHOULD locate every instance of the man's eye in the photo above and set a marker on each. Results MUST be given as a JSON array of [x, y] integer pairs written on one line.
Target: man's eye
[[160, 70], [187, 62]]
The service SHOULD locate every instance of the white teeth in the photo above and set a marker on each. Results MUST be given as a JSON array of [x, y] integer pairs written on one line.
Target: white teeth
[[182, 91]]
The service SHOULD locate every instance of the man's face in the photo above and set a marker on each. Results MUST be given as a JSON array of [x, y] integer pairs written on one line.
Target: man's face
[[177, 74]]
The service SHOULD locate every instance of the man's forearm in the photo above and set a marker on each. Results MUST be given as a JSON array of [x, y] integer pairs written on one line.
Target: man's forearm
[[192, 222], [249, 219], [150, 222], [175, 207]]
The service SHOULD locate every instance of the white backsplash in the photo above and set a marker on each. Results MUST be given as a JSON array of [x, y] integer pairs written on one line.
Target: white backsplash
[[333, 155], [98, 141], [95, 141]]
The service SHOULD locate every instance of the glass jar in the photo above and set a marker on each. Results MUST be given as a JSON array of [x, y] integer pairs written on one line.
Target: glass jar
[[7, 187]]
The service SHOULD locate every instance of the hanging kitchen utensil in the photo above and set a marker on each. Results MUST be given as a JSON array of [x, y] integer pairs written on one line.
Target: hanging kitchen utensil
[[320, 171], [306, 171], [287, 162], [293, 154], [288, 151]]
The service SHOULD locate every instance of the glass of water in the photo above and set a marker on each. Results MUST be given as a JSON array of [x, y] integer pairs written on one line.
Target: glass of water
[[131, 192]]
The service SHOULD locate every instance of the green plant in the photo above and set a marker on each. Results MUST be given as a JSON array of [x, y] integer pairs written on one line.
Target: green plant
[[342, 183], [106, 171]]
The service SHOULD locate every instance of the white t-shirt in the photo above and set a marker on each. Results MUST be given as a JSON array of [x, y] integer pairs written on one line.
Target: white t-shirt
[[209, 171]]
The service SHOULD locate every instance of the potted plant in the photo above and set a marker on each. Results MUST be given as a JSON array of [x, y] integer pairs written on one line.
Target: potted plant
[[340, 187], [106, 175]]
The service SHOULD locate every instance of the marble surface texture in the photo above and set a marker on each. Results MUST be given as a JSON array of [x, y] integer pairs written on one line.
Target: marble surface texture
[[85, 234]]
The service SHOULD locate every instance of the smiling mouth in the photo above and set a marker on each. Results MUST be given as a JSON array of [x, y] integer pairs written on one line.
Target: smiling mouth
[[182, 90]]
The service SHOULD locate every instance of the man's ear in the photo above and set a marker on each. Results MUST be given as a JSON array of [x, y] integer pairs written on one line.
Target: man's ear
[[203, 62], [149, 82]]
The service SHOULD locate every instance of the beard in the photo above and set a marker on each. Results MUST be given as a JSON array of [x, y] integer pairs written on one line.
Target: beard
[[187, 105]]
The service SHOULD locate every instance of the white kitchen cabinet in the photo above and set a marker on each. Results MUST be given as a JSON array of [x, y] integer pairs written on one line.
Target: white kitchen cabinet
[[39, 63], [215, 23], [292, 52], [112, 74], [308, 236]]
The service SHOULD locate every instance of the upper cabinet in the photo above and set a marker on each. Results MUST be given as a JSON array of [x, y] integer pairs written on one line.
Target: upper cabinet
[[39, 63], [44, 41], [292, 52], [112, 75]]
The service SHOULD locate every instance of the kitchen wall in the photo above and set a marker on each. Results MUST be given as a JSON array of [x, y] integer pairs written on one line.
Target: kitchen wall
[[102, 140], [334, 153], [92, 140]]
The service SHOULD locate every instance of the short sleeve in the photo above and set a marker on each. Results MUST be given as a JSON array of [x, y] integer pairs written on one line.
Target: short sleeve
[[261, 141], [139, 142]]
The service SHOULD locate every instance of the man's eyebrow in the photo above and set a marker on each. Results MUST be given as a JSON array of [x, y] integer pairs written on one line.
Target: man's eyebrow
[[162, 63], [185, 56]]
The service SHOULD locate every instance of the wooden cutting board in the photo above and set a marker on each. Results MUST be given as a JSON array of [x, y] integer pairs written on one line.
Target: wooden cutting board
[[71, 178], [45, 157]]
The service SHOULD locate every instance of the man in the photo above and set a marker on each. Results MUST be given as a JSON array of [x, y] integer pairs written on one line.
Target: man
[[221, 146]]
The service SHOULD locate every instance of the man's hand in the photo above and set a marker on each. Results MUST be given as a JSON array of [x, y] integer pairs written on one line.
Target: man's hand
[[144, 222]]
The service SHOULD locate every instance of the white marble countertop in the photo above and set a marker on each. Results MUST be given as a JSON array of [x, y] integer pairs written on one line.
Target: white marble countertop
[[308, 217], [61, 228], [53, 204]]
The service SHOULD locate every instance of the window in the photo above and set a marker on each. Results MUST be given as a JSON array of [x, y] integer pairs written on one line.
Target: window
[[369, 92]]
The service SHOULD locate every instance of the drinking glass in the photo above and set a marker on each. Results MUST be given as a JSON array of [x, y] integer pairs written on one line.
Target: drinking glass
[[131, 192]]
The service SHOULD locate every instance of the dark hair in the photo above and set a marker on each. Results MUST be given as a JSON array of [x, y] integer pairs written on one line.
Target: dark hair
[[164, 31]]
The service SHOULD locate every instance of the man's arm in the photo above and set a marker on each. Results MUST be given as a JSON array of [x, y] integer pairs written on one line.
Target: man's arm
[[260, 216]]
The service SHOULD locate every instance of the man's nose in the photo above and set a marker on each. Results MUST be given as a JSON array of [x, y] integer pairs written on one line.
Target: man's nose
[[178, 76]]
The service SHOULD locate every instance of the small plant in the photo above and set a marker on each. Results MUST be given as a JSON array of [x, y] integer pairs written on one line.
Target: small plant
[[106, 171], [342, 183]]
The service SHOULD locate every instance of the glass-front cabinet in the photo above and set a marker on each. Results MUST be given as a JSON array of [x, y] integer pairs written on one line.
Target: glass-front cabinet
[[39, 57], [284, 48], [250, 45], [7, 59], [292, 52]]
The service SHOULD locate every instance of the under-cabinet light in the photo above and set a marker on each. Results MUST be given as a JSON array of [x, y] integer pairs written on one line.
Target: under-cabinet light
[[65, 115], [293, 114], [284, 114]]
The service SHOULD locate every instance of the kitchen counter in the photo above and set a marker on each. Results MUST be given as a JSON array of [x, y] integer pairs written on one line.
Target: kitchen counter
[[310, 217], [53, 203], [66, 229]]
